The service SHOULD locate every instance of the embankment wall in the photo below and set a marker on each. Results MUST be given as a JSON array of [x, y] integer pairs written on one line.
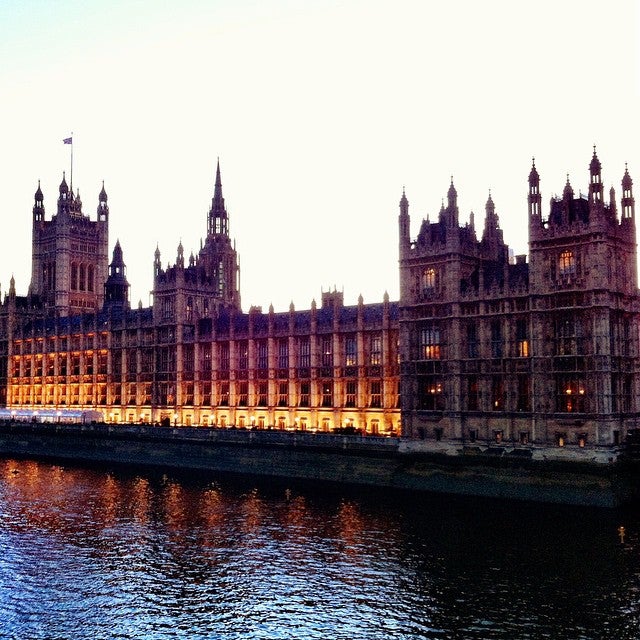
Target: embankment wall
[[355, 460]]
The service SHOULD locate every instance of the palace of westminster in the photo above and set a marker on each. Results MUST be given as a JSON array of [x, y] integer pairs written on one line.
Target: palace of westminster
[[481, 347]]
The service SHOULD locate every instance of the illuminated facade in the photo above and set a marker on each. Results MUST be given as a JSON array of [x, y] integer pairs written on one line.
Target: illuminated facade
[[481, 348], [193, 358], [504, 350]]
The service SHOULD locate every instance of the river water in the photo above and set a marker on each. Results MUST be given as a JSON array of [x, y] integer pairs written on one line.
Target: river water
[[113, 553]]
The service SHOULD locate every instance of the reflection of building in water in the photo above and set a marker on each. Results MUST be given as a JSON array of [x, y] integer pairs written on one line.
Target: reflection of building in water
[[492, 348], [510, 351]]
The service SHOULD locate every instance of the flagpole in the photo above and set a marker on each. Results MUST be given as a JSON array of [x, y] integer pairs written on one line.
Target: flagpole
[[71, 178]]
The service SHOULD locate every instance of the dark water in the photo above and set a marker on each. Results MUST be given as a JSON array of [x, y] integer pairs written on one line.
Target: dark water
[[114, 554]]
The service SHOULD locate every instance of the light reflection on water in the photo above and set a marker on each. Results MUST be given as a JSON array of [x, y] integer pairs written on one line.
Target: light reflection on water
[[115, 554]]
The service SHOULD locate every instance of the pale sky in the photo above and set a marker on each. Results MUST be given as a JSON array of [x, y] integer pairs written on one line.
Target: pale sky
[[320, 111]]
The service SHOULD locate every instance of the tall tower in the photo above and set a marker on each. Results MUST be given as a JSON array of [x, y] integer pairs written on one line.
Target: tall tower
[[218, 256], [209, 282], [70, 253]]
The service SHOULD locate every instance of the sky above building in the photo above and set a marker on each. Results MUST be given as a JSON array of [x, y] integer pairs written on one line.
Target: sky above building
[[320, 112]]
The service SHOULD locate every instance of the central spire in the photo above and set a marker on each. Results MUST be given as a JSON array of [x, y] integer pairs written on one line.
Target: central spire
[[218, 222]]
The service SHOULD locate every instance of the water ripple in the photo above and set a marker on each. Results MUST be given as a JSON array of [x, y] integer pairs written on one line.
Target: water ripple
[[98, 554]]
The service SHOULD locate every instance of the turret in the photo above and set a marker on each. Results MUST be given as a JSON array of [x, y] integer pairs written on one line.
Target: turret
[[491, 224], [627, 202], [38, 205], [180, 256], [156, 261], [451, 212], [103, 207], [535, 208], [404, 224], [595, 181], [116, 288], [64, 197], [567, 192]]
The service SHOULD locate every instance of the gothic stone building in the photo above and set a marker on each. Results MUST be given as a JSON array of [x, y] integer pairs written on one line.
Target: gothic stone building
[[545, 352], [193, 358], [480, 348]]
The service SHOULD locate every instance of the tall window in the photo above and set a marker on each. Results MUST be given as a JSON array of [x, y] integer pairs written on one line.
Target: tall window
[[283, 354], [263, 355], [262, 394], [430, 343], [224, 394], [327, 351], [283, 394], [90, 278], [205, 397], [522, 338], [429, 281], [472, 340], [224, 357], [571, 394], [221, 278], [351, 389], [568, 335], [167, 308], [431, 394], [304, 352], [305, 394], [496, 339], [82, 272], [243, 355], [243, 393], [375, 352], [188, 358], [375, 391], [350, 351], [567, 264], [147, 361], [327, 393], [497, 393], [472, 393], [205, 351]]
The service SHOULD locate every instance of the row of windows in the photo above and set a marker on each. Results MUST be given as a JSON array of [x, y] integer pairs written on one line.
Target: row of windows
[[283, 360], [569, 338], [565, 265], [62, 343], [82, 277], [61, 364], [166, 335], [571, 394], [241, 394]]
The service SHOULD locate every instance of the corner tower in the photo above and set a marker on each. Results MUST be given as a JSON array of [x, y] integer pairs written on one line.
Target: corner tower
[[69, 254]]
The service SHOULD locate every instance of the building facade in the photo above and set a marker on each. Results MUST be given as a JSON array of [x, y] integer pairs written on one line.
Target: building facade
[[482, 347], [500, 350], [193, 357]]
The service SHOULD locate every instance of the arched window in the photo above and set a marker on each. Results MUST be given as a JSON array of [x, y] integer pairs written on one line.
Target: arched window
[[74, 276], [83, 276], [90, 278], [429, 280], [567, 264]]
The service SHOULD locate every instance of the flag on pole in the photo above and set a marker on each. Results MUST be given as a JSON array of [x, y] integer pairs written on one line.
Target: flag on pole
[[68, 141]]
